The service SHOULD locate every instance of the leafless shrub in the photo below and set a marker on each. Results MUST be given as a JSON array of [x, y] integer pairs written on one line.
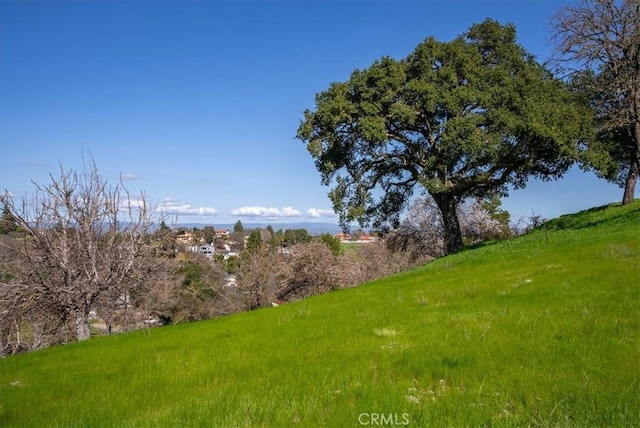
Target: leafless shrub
[[421, 232], [527, 223], [309, 269], [257, 278], [366, 262]]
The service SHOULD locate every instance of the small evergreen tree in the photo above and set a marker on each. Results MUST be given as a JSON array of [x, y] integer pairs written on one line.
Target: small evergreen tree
[[7, 221], [254, 242], [332, 242]]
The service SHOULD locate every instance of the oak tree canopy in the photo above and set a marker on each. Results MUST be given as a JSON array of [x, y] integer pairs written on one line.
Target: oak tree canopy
[[467, 118]]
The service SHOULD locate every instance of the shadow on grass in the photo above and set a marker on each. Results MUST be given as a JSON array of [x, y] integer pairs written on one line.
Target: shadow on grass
[[482, 244]]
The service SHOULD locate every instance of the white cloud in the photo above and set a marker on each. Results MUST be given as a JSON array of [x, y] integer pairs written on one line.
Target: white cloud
[[133, 203], [317, 212], [130, 177], [170, 206], [266, 212]]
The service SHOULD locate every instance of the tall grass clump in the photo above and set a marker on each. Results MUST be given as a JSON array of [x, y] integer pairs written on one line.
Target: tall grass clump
[[540, 330]]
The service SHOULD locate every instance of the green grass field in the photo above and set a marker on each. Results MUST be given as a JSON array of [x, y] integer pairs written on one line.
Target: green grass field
[[541, 330]]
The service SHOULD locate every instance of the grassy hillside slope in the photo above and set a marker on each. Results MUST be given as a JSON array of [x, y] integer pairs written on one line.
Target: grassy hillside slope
[[539, 330]]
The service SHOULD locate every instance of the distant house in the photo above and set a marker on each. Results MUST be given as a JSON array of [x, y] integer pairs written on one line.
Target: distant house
[[361, 239], [367, 238], [221, 233], [343, 237], [185, 237], [207, 249], [230, 253]]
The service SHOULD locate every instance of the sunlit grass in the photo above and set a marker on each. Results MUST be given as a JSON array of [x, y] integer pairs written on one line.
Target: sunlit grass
[[539, 330]]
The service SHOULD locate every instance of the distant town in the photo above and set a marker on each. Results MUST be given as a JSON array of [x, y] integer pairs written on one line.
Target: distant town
[[228, 240]]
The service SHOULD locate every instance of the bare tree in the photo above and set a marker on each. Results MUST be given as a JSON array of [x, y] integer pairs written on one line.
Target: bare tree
[[24, 325], [478, 224], [309, 269], [598, 43], [257, 280], [85, 248], [526, 224], [421, 233], [370, 261]]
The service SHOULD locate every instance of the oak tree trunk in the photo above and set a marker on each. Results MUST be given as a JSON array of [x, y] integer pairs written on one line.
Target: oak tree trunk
[[447, 205], [630, 185]]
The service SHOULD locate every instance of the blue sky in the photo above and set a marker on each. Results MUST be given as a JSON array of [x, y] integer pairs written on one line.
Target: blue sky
[[197, 102]]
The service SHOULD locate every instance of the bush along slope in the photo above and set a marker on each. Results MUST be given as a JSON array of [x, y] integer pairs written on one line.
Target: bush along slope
[[539, 330]]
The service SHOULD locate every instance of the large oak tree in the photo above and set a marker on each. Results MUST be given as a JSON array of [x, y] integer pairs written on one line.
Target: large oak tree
[[458, 119]]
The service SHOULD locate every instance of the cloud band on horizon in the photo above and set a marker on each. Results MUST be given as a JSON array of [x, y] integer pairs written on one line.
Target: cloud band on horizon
[[265, 212]]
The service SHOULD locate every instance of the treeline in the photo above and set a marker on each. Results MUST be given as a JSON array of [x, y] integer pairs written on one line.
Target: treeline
[[194, 288], [83, 259]]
